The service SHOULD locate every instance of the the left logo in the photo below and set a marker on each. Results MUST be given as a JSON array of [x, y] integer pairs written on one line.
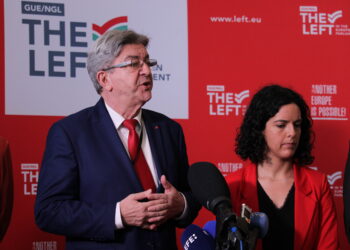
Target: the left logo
[[117, 23]]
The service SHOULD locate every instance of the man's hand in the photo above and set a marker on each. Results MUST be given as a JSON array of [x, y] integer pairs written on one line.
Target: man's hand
[[158, 209], [174, 203], [134, 212]]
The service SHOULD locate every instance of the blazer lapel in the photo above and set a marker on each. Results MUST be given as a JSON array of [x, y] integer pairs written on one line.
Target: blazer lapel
[[304, 206], [250, 191], [249, 187]]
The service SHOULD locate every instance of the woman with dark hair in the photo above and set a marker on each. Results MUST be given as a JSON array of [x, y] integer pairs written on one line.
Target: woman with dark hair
[[276, 137]]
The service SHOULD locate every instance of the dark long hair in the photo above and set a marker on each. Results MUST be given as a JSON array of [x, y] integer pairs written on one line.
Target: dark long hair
[[250, 142]]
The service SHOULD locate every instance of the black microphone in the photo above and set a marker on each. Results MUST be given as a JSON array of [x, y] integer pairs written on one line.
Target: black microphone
[[210, 189], [208, 186]]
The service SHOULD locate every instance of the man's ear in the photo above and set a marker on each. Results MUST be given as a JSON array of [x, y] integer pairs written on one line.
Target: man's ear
[[103, 78]]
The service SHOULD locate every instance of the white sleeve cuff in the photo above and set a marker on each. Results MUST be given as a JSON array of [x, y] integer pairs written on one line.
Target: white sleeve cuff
[[184, 212], [118, 217]]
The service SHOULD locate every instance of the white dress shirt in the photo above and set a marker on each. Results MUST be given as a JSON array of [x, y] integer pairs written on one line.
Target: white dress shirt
[[145, 146], [124, 134]]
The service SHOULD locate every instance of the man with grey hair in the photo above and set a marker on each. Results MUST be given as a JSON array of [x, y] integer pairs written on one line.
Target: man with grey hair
[[114, 176]]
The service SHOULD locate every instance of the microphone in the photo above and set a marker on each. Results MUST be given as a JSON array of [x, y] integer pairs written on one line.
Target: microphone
[[261, 221], [210, 189], [195, 238], [208, 185], [210, 228], [257, 220]]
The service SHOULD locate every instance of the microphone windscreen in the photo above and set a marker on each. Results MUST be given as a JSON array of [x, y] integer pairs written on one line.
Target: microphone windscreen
[[210, 227], [261, 221], [195, 238], [207, 183]]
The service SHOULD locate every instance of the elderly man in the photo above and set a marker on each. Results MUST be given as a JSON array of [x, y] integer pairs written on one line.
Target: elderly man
[[113, 175]]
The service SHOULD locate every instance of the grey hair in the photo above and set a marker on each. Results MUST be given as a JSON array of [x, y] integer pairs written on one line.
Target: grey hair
[[107, 48]]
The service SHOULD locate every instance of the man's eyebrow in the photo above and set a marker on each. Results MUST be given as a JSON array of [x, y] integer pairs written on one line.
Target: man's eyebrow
[[135, 57]]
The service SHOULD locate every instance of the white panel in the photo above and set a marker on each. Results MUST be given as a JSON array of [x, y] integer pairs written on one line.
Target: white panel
[[164, 21]]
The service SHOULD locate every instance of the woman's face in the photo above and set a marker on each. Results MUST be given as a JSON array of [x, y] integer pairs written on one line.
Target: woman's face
[[282, 133]]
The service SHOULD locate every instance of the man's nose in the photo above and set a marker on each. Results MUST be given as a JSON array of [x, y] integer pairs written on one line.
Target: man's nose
[[145, 69]]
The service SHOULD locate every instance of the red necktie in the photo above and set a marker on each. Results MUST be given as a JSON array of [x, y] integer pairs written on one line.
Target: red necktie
[[137, 157]]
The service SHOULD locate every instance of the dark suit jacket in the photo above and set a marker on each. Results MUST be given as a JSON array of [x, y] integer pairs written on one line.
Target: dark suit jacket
[[86, 171], [315, 225], [6, 187]]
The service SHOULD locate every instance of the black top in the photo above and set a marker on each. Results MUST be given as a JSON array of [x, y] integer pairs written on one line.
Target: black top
[[281, 221]]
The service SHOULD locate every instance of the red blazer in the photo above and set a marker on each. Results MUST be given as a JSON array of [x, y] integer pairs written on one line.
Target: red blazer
[[316, 225]]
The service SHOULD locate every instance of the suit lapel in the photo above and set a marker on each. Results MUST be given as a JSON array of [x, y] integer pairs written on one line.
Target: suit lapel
[[153, 129], [304, 206], [111, 140]]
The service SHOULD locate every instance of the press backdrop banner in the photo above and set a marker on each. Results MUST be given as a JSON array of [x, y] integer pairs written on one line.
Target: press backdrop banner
[[213, 56]]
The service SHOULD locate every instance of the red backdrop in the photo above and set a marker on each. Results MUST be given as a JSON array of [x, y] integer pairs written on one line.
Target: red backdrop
[[235, 47]]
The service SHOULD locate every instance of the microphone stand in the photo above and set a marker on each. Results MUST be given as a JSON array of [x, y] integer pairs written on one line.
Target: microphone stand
[[232, 232]]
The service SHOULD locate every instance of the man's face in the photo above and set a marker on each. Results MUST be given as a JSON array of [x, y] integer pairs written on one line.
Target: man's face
[[132, 85]]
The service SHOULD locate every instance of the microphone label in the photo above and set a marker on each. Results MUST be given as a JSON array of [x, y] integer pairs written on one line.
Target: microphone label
[[189, 241]]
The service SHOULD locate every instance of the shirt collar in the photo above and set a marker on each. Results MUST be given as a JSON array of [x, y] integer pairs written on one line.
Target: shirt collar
[[118, 118]]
